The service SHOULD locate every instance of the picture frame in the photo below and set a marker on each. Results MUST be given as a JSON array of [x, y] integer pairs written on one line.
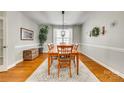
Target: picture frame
[[26, 34]]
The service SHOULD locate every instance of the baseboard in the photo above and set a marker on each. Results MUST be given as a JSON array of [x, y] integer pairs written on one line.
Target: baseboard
[[13, 65], [2, 68], [104, 65], [45, 51], [19, 61], [10, 66]]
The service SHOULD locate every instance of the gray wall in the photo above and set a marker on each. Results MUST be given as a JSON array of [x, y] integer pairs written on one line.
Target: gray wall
[[109, 48], [77, 35], [15, 46]]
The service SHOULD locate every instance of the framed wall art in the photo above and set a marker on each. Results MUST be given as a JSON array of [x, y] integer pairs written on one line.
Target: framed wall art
[[26, 34]]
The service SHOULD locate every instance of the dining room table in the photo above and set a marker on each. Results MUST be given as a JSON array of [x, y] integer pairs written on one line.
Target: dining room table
[[54, 53]]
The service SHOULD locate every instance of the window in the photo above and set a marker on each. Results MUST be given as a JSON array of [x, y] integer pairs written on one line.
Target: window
[[58, 37]]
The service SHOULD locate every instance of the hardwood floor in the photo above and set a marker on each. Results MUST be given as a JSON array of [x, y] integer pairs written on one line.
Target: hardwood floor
[[102, 73], [23, 70]]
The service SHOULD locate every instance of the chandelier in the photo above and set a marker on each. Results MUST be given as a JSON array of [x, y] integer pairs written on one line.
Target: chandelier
[[63, 32]]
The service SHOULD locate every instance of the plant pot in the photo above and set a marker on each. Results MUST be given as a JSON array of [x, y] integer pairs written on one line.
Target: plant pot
[[41, 50]]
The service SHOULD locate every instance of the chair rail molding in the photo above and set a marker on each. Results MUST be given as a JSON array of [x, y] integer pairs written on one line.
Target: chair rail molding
[[25, 46], [115, 49], [18, 53], [104, 47]]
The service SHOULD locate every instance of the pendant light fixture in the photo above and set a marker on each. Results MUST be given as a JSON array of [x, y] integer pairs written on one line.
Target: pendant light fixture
[[63, 32]]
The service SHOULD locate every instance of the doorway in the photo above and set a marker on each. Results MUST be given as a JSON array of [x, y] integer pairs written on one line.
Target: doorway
[[2, 44]]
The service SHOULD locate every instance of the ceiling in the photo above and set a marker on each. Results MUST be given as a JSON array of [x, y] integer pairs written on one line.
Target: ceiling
[[55, 17]]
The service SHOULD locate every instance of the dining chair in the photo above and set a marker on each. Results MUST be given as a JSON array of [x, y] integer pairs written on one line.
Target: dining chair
[[50, 47], [75, 48], [64, 57]]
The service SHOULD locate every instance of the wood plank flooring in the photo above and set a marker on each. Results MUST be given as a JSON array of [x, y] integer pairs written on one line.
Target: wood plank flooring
[[102, 73], [23, 70]]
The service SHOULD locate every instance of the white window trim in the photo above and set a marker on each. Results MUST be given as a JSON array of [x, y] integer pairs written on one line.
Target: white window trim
[[54, 35]]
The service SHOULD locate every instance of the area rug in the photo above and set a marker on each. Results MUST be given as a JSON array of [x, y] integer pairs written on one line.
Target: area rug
[[41, 75]]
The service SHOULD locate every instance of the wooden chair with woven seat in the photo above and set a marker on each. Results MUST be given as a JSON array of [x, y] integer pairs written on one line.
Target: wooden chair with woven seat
[[50, 47], [64, 57], [75, 48]]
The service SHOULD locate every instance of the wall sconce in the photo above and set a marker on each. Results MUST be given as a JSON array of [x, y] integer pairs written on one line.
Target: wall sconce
[[114, 23], [103, 30]]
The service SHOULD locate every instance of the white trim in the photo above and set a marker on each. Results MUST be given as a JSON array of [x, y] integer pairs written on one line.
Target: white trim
[[10, 66], [19, 61], [45, 51], [23, 46], [2, 68], [54, 33], [108, 67], [104, 47], [13, 65], [4, 56]]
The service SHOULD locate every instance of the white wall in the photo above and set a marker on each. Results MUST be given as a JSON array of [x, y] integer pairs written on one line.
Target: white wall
[[15, 46], [109, 48]]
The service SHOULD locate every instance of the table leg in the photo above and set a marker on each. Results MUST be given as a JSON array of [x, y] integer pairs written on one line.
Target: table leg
[[48, 64], [77, 64]]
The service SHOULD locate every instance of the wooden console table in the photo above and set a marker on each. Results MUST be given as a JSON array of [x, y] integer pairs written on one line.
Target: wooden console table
[[30, 54]]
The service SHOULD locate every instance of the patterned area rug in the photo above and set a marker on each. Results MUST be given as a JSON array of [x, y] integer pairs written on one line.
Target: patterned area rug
[[40, 74]]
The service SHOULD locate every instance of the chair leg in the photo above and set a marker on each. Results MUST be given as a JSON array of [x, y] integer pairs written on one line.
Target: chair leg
[[58, 70], [51, 60], [74, 61], [70, 69]]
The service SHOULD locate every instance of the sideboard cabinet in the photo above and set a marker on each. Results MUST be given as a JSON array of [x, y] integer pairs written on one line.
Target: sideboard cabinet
[[30, 54]]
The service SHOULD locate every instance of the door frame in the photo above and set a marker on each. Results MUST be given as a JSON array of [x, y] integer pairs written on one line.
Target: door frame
[[4, 66]]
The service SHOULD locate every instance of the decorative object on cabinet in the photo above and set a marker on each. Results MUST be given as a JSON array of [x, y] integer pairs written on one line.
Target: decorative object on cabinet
[[26, 34], [30, 54]]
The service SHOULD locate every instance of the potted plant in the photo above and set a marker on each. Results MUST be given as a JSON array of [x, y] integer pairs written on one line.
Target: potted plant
[[42, 37]]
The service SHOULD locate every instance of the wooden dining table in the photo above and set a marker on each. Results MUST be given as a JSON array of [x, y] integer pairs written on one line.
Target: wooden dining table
[[53, 53]]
